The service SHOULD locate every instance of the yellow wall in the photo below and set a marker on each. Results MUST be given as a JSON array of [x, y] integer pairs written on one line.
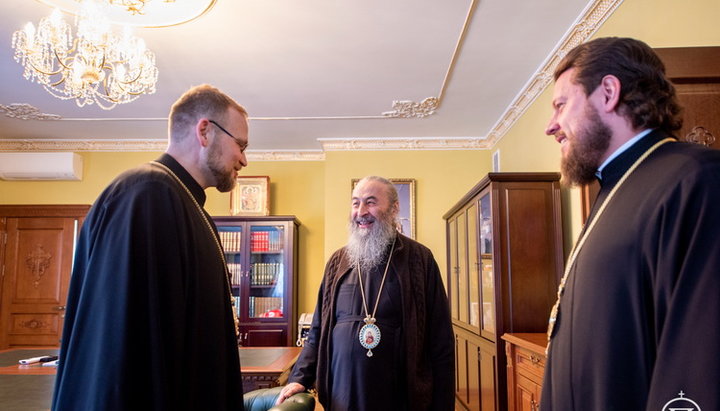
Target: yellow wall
[[660, 23], [316, 192]]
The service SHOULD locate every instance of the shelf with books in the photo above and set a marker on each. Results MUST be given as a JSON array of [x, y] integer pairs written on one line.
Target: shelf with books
[[261, 252]]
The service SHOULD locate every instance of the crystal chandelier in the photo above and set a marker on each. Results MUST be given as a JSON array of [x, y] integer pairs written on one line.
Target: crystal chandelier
[[95, 66]]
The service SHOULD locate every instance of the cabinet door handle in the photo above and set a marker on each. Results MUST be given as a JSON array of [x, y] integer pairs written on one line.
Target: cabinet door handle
[[59, 308]]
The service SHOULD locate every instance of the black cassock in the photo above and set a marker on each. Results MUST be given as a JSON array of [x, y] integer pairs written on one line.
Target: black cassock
[[149, 322], [639, 321], [359, 382]]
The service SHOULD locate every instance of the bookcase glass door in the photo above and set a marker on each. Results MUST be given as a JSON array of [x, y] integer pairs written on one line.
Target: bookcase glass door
[[231, 238], [266, 272], [487, 284], [473, 266]]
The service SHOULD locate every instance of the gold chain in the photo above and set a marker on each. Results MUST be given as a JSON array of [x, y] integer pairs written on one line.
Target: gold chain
[[212, 233], [382, 283]]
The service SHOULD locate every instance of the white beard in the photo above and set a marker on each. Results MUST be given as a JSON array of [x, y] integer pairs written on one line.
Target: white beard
[[366, 247]]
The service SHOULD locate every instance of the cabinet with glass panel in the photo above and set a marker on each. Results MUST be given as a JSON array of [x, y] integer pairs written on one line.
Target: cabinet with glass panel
[[505, 258], [261, 253]]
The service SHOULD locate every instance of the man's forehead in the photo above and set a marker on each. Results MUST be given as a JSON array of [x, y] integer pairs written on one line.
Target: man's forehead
[[368, 189]]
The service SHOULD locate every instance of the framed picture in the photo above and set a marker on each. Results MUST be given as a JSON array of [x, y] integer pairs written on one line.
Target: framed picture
[[406, 196], [251, 196]]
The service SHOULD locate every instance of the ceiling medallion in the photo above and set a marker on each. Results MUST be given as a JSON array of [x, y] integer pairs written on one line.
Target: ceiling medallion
[[26, 112], [144, 13], [412, 109]]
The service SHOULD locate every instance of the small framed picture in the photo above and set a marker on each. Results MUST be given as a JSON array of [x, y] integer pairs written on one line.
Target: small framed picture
[[406, 196], [251, 196]]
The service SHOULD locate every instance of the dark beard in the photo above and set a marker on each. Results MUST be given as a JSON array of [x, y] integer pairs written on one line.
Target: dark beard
[[224, 180], [366, 248], [586, 150]]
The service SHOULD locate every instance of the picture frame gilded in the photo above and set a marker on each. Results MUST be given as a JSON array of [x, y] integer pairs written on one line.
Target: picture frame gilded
[[251, 196], [406, 197]]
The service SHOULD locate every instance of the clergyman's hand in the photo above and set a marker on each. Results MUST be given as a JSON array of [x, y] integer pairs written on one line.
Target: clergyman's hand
[[288, 391]]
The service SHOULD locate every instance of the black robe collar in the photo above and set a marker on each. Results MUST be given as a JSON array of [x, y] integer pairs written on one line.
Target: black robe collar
[[192, 185], [613, 172]]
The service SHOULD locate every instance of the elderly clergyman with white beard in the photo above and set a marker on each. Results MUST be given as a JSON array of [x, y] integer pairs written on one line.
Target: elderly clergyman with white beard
[[381, 336]]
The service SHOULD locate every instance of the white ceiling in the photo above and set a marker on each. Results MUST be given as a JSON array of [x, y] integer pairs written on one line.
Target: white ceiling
[[313, 70]]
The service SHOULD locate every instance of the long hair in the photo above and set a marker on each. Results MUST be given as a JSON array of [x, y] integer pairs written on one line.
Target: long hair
[[647, 98]]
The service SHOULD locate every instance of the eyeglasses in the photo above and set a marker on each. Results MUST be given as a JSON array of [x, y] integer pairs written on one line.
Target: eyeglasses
[[242, 146]]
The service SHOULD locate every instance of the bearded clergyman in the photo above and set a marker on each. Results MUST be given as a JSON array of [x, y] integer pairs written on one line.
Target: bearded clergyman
[[381, 336]]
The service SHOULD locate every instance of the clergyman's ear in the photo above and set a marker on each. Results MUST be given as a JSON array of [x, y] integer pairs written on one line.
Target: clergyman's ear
[[610, 87], [202, 127]]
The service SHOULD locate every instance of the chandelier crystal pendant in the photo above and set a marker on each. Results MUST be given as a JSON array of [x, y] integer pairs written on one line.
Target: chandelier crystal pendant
[[96, 66]]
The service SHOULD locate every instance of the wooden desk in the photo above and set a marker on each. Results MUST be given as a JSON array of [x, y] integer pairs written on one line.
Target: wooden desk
[[266, 367], [30, 387]]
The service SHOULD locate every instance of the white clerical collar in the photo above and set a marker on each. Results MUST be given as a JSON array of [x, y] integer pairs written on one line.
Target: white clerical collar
[[621, 150]]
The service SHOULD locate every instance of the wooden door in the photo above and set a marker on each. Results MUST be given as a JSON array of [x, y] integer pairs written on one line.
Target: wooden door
[[37, 261], [695, 72]]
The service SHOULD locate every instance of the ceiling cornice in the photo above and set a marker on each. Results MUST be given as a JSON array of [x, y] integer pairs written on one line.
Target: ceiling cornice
[[328, 144], [140, 146], [587, 24], [419, 143]]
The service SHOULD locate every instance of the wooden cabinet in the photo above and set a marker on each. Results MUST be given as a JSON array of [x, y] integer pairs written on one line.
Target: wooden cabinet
[[525, 354], [261, 253], [505, 259]]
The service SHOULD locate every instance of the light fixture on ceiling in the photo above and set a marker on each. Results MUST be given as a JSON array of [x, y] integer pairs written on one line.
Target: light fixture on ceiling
[[94, 66], [134, 6]]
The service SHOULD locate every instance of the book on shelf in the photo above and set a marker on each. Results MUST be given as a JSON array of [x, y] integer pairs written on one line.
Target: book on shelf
[[266, 241], [235, 270], [236, 304], [231, 241], [266, 307], [265, 273]]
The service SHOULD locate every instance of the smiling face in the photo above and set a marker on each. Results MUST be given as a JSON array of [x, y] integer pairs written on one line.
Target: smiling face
[[576, 124], [370, 203], [372, 223]]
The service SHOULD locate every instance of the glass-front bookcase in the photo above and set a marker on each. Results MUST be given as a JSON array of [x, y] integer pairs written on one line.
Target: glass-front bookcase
[[505, 257], [261, 253]]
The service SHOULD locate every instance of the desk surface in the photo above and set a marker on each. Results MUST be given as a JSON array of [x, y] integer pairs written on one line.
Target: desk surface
[[30, 387], [252, 359]]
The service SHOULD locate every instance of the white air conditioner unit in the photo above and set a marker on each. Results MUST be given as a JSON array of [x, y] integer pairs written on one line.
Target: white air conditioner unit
[[40, 166]]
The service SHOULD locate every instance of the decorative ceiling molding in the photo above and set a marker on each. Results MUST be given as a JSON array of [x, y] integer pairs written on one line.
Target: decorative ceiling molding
[[23, 111], [82, 145], [285, 155], [328, 144], [588, 23], [410, 109], [141, 146], [420, 143]]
